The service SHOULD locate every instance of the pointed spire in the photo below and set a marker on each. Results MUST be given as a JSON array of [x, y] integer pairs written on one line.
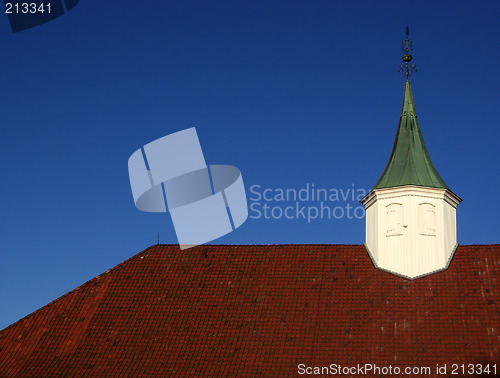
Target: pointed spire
[[410, 163]]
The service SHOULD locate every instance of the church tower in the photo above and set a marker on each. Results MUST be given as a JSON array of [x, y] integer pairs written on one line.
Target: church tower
[[410, 213]]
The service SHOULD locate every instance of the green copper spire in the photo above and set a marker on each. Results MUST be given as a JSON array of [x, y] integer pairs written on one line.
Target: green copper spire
[[409, 163]]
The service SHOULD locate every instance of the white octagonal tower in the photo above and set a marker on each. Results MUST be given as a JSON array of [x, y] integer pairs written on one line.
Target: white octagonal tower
[[411, 230], [410, 213]]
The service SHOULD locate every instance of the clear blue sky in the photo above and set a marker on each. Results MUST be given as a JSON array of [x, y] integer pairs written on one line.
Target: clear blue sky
[[291, 92]]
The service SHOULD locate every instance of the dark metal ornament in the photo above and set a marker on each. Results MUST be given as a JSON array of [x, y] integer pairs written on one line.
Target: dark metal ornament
[[407, 68]]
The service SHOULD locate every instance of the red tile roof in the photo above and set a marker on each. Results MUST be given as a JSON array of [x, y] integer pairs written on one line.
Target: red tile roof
[[261, 310]]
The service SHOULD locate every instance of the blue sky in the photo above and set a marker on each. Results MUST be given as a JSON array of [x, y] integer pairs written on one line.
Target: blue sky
[[293, 93]]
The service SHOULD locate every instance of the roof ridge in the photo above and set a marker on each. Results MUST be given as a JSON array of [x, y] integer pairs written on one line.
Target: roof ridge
[[293, 244]]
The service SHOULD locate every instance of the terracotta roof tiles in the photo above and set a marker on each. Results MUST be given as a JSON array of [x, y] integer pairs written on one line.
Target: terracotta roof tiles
[[260, 310]]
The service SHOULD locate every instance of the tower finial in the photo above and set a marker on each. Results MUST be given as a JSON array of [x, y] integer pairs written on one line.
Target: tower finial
[[407, 68]]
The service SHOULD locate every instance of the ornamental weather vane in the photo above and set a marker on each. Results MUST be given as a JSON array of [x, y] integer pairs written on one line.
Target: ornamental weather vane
[[408, 68]]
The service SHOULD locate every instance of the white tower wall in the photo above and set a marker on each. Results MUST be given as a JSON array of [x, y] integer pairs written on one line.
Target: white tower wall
[[411, 230]]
